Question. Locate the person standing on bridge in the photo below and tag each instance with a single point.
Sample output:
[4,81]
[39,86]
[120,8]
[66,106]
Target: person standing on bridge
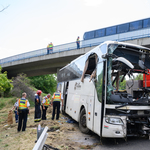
[78,42]
[50,48]
[56,99]
[37,115]
[44,105]
[23,111]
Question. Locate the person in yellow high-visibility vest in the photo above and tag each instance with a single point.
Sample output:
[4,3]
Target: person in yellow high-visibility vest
[56,99]
[50,48]
[78,42]
[23,111]
[45,103]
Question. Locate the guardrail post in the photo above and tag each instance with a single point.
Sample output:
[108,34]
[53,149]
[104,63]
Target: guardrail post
[40,142]
[39,131]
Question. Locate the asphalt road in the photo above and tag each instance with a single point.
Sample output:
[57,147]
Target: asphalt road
[132,143]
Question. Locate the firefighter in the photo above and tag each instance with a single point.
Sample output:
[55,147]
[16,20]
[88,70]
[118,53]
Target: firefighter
[56,99]
[23,111]
[37,115]
[45,103]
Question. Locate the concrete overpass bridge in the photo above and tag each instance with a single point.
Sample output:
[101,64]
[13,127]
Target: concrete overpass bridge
[39,63]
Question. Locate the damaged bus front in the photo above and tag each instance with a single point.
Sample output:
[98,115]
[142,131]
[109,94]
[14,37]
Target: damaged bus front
[126,91]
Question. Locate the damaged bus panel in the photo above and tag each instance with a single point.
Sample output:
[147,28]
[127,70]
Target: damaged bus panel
[107,90]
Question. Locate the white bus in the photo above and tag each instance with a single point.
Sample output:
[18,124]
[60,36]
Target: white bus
[101,93]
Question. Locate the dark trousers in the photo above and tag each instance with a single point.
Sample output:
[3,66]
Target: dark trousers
[78,45]
[16,116]
[37,115]
[23,114]
[44,113]
[56,104]
[49,50]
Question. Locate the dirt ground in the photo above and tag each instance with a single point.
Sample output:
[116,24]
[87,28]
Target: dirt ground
[61,134]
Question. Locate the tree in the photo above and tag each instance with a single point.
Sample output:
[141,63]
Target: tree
[46,83]
[139,77]
[122,85]
[5,83]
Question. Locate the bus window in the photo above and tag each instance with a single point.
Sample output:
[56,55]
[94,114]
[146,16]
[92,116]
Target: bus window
[59,86]
[90,65]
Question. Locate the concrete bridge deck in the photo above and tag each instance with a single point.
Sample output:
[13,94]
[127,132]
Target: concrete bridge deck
[49,64]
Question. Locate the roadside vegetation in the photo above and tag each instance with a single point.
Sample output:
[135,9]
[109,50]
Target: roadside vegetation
[12,89]
[5,84]
[46,83]
[10,139]
[122,85]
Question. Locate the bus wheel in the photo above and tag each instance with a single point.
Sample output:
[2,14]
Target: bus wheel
[82,122]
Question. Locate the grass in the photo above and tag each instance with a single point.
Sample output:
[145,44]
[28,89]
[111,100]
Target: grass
[7,102]
[2,104]
[31,103]
[6,145]
[3,116]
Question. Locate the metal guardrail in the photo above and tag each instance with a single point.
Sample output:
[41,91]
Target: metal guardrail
[40,143]
[84,43]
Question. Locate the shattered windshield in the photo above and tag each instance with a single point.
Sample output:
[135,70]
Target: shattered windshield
[128,75]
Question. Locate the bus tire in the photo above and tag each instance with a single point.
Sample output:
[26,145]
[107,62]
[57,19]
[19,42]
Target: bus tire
[82,122]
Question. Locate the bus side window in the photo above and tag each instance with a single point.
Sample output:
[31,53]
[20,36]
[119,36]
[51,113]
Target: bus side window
[90,66]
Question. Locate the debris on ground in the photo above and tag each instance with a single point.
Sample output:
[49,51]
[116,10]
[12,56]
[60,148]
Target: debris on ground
[63,134]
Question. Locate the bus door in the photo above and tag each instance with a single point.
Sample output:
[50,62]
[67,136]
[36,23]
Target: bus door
[65,94]
[60,87]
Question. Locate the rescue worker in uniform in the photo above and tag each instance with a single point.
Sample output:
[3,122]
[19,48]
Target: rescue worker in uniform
[37,115]
[78,42]
[50,48]
[23,111]
[45,103]
[56,99]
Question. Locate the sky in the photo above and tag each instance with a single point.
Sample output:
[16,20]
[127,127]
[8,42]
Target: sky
[28,25]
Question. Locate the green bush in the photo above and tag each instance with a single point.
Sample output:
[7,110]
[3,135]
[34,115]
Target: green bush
[46,83]
[5,83]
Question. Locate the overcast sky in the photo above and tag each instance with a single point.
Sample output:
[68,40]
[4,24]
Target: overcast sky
[28,25]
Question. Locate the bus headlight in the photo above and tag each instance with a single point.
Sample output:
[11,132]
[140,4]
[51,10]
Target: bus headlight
[116,121]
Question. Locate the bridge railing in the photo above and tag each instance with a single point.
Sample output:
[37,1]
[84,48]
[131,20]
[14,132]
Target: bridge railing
[84,43]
